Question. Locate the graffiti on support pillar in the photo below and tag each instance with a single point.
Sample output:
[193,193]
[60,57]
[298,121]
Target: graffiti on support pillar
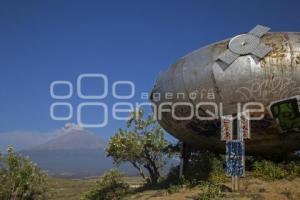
[235,158]
[226,127]
[244,126]
[235,146]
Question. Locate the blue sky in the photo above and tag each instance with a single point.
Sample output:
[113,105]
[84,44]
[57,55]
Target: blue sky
[44,41]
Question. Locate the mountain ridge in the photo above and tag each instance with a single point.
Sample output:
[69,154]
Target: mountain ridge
[75,153]
[77,139]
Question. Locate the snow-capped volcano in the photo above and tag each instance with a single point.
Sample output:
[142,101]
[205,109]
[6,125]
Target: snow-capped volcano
[74,137]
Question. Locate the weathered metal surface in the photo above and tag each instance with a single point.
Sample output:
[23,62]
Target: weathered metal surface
[245,44]
[248,78]
[259,30]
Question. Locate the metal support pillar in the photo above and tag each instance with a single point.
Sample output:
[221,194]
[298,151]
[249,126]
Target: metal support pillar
[184,158]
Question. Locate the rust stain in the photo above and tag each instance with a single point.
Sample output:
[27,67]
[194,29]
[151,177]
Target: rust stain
[297,58]
[279,58]
[219,47]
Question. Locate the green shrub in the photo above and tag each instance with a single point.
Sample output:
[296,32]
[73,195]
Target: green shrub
[205,166]
[110,187]
[293,169]
[268,170]
[174,188]
[209,191]
[217,173]
[20,178]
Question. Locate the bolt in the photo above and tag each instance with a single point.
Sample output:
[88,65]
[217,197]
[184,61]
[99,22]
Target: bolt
[244,43]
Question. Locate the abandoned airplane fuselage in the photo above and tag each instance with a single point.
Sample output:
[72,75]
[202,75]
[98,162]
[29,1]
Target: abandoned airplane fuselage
[258,66]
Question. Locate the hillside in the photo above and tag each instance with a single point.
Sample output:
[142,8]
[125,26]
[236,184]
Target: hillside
[75,153]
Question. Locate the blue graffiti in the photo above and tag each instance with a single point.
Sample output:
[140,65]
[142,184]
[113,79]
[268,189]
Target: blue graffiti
[235,155]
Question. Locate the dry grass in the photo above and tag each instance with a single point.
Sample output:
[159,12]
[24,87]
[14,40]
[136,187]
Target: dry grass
[73,189]
[251,189]
[67,189]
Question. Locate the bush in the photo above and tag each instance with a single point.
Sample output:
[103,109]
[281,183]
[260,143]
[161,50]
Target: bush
[204,167]
[217,173]
[209,191]
[174,188]
[110,187]
[293,169]
[268,170]
[20,178]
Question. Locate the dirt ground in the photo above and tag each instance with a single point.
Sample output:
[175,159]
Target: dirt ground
[250,189]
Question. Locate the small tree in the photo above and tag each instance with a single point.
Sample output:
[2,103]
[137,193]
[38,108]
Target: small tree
[20,179]
[142,144]
[111,186]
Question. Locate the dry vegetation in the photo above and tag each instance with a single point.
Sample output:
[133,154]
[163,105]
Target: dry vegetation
[74,189]
[251,189]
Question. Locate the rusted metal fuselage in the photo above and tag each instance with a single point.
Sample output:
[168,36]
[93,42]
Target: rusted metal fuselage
[197,78]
